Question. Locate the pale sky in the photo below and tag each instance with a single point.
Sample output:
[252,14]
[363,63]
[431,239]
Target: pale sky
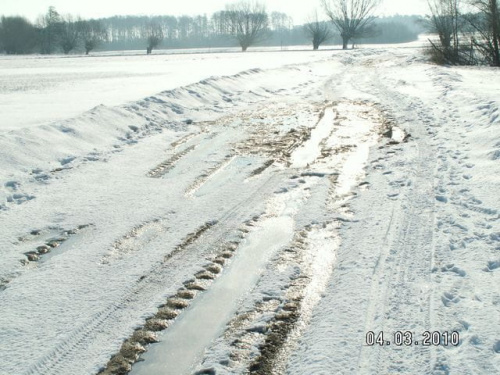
[300,10]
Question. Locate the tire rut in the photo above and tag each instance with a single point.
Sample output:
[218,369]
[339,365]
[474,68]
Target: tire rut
[154,282]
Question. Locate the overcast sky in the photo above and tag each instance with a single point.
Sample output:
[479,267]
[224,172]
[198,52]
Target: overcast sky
[298,9]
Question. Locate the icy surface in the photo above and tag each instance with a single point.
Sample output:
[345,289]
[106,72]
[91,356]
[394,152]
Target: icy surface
[181,347]
[310,151]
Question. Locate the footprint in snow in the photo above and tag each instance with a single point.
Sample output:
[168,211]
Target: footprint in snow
[454,269]
[449,298]
[67,160]
[19,198]
[475,340]
[492,265]
[12,185]
[496,347]
[441,198]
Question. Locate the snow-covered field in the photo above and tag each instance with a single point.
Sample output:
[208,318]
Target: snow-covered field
[253,213]
[36,90]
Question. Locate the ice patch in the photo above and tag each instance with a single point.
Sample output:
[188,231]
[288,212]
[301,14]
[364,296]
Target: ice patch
[311,150]
[183,344]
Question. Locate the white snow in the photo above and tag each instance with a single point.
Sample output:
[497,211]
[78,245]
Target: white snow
[385,235]
[55,88]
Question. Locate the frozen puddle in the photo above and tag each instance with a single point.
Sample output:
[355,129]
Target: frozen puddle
[311,150]
[359,128]
[182,345]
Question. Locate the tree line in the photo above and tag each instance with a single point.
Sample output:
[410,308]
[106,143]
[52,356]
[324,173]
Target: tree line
[50,34]
[243,23]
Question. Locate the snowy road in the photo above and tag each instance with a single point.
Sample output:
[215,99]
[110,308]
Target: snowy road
[261,223]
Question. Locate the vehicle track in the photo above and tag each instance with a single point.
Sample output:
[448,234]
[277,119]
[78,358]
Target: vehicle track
[152,284]
[207,175]
[403,269]
[164,167]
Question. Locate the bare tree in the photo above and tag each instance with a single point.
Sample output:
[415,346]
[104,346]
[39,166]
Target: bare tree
[446,22]
[248,22]
[69,34]
[154,35]
[318,31]
[486,27]
[443,21]
[50,26]
[352,18]
[92,34]
[281,24]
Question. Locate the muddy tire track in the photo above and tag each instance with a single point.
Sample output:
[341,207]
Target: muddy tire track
[262,337]
[156,280]
[207,175]
[164,167]
[83,335]
[262,168]
[133,347]
[183,140]
[45,246]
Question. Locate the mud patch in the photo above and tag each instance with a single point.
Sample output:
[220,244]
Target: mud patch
[276,130]
[45,243]
[278,331]
[390,129]
[279,148]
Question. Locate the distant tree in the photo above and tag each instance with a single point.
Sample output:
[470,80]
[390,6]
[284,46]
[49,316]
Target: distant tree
[221,24]
[486,29]
[279,21]
[154,35]
[444,21]
[248,22]
[17,35]
[447,21]
[92,33]
[184,25]
[70,34]
[390,31]
[318,31]
[170,24]
[352,18]
[281,26]
[49,26]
